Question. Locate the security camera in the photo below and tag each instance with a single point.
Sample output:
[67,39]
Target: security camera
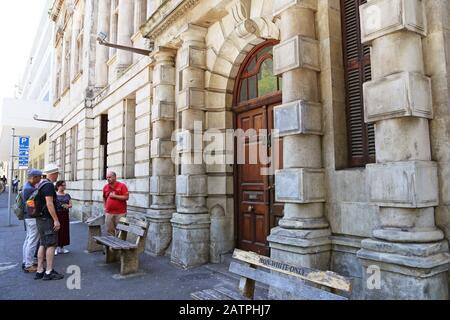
[101,37]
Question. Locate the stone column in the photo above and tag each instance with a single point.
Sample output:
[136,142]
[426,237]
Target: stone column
[124,34]
[407,248]
[302,237]
[162,182]
[190,245]
[102,52]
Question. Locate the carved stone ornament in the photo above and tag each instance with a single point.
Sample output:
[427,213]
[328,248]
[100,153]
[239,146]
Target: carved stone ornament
[246,26]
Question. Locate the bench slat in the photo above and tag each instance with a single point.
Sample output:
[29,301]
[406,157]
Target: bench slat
[217,295]
[115,243]
[136,222]
[230,293]
[105,241]
[132,229]
[202,295]
[295,287]
[324,278]
[125,245]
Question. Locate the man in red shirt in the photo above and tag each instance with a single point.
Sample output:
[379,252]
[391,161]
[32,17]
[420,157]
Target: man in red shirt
[115,197]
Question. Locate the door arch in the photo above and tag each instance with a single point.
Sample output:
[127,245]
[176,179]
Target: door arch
[257,91]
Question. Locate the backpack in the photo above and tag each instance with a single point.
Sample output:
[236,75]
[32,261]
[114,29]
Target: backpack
[19,208]
[36,202]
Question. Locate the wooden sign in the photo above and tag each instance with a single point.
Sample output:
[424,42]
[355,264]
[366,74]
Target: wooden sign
[324,278]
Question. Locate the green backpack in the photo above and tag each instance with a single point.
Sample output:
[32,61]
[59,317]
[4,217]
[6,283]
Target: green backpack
[19,208]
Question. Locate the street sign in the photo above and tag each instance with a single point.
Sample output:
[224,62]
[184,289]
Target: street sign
[24,143]
[24,152]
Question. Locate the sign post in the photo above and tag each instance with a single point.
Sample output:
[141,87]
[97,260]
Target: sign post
[24,154]
[11,176]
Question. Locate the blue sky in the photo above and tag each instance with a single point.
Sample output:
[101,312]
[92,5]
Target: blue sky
[18,23]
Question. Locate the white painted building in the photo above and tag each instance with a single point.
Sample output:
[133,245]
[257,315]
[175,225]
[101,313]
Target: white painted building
[34,96]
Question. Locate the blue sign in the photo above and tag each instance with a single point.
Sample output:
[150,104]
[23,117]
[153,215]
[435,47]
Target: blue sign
[24,152]
[24,143]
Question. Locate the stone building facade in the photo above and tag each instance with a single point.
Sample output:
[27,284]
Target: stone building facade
[357,90]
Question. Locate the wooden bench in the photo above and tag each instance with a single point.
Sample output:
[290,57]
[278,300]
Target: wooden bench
[304,283]
[127,246]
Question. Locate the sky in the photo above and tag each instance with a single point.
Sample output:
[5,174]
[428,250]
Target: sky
[19,20]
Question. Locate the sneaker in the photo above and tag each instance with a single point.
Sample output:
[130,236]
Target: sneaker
[64,251]
[39,275]
[56,252]
[53,276]
[31,269]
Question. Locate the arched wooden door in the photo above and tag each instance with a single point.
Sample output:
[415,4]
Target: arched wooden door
[257,92]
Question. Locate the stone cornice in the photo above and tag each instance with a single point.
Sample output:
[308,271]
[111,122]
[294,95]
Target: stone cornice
[165,16]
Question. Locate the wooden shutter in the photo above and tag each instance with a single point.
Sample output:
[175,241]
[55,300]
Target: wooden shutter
[361,137]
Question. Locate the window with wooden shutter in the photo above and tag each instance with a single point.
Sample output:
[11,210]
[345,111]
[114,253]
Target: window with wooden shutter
[361,136]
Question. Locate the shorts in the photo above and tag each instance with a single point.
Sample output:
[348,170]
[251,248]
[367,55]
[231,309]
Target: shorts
[48,236]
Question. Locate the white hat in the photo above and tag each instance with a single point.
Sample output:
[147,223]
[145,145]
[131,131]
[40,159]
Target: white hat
[51,168]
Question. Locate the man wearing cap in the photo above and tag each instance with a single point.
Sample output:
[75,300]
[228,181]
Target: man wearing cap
[48,226]
[32,238]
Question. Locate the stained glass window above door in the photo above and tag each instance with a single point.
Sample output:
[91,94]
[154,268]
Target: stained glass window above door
[257,78]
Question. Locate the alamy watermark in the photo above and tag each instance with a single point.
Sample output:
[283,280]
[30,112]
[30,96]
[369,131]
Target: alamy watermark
[73,282]
[227,147]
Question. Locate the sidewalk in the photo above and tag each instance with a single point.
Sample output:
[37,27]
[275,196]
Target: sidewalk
[158,279]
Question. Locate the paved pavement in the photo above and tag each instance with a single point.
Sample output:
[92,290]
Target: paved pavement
[158,279]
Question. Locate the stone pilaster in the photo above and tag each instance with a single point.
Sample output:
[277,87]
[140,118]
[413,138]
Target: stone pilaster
[408,248]
[102,52]
[191,223]
[124,33]
[302,237]
[162,182]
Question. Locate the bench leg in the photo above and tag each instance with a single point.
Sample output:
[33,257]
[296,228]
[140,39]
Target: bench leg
[247,287]
[93,246]
[111,255]
[129,261]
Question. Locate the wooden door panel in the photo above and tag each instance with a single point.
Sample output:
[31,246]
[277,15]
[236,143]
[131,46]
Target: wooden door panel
[253,199]
[257,210]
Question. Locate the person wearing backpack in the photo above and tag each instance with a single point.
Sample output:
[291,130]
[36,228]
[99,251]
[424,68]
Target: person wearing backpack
[48,224]
[32,238]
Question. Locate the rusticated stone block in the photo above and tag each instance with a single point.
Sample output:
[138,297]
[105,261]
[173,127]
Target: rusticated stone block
[382,17]
[192,185]
[191,98]
[300,185]
[298,117]
[411,184]
[164,75]
[161,148]
[193,57]
[398,95]
[189,142]
[162,185]
[296,52]
[280,5]
[162,110]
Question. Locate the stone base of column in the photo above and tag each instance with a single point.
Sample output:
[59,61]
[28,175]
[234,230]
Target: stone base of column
[159,235]
[305,248]
[408,271]
[191,239]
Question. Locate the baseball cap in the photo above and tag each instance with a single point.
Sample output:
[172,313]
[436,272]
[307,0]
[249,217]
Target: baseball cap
[34,173]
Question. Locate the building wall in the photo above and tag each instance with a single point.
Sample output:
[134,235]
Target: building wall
[129,95]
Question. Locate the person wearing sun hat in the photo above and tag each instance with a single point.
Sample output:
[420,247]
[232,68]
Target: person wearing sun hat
[48,225]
